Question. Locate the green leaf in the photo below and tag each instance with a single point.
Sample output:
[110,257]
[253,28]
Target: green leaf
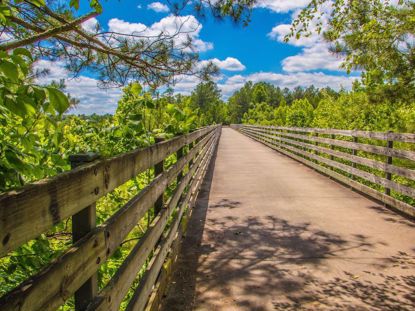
[136,88]
[22,63]
[148,104]
[136,116]
[38,3]
[74,4]
[58,100]
[9,69]
[17,107]
[13,160]
[22,51]
[96,5]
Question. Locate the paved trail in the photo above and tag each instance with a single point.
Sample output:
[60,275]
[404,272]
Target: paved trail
[268,233]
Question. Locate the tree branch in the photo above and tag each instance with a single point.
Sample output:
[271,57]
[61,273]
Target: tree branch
[48,33]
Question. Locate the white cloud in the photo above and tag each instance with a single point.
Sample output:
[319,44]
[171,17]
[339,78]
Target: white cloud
[4,36]
[93,99]
[120,26]
[184,84]
[289,80]
[279,32]
[282,6]
[179,27]
[158,7]
[317,56]
[90,25]
[229,64]
[228,85]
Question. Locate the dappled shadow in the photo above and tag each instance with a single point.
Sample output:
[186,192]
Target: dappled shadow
[225,203]
[268,263]
[241,256]
[390,216]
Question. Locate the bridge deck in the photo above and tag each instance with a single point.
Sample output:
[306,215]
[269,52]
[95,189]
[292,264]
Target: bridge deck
[271,234]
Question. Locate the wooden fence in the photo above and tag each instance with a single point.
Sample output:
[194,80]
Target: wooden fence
[378,164]
[29,212]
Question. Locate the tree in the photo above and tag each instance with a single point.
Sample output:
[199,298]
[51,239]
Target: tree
[300,113]
[53,30]
[239,102]
[260,93]
[375,36]
[31,115]
[206,98]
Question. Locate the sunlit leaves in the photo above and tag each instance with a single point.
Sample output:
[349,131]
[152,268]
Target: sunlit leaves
[29,123]
[372,36]
[58,100]
[9,70]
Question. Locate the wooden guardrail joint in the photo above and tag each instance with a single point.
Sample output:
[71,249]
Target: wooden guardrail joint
[158,169]
[82,223]
[350,161]
[389,161]
[179,155]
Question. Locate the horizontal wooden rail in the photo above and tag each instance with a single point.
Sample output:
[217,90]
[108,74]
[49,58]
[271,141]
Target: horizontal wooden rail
[140,297]
[327,160]
[385,151]
[28,212]
[51,287]
[405,172]
[155,300]
[121,282]
[401,137]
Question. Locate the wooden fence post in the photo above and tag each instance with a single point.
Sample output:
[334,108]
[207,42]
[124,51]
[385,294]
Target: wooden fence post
[316,135]
[332,146]
[179,154]
[82,223]
[191,160]
[158,169]
[354,152]
[389,160]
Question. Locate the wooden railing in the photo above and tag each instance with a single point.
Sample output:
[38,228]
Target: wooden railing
[378,164]
[29,212]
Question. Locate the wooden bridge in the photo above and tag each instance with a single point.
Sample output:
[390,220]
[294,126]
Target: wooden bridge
[249,218]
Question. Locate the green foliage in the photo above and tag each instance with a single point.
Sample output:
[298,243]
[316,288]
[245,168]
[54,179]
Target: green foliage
[263,103]
[300,113]
[30,132]
[35,142]
[206,98]
[374,36]
[355,111]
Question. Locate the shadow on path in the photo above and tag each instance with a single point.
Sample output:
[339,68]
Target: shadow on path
[237,259]
[244,264]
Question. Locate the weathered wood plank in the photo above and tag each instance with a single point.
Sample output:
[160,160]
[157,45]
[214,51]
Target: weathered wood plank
[354,171]
[113,294]
[388,200]
[401,137]
[30,211]
[389,168]
[54,285]
[142,293]
[161,286]
[404,154]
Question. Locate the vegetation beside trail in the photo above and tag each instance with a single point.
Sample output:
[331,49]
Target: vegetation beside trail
[38,133]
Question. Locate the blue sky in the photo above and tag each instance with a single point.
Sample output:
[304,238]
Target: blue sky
[253,53]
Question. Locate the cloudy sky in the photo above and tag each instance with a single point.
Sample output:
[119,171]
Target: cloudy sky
[254,53]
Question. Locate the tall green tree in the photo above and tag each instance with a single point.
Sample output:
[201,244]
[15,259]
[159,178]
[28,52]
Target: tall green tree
[206,98]
[373,36]
[238,103]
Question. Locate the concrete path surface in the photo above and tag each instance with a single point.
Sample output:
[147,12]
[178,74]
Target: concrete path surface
[269,233]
